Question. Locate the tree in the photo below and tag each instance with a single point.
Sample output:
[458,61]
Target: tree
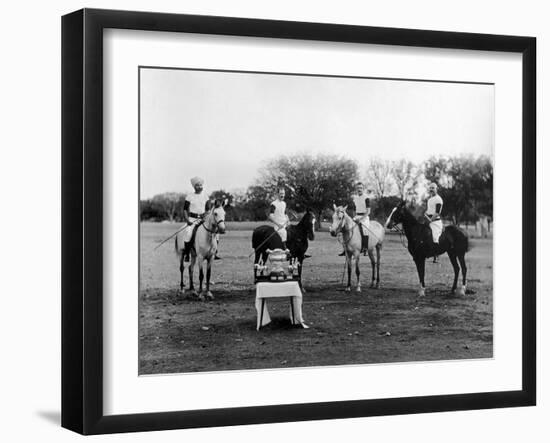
[465,184]
[225,197]
[312,182]
[406,176]
[149,210]
[437,170]
[253,205]
[379,176]
[170,203]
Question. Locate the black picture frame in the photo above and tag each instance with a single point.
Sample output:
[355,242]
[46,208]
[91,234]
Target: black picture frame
[82,218]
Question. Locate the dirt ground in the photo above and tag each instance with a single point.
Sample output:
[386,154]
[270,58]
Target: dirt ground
[180,334]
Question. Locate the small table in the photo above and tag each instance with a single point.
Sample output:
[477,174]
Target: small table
[291,289]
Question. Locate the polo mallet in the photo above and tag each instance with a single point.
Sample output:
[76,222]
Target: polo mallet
[172,236]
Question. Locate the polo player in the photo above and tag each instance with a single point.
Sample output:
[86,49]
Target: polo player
[361,207]
[196,204]
[277,215]
[434,206]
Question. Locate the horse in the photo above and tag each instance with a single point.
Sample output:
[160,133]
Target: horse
[204,247]
[352,242]
[264,237]
[421,246]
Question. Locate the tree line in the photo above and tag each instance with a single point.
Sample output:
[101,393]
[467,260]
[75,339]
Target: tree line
[316,182]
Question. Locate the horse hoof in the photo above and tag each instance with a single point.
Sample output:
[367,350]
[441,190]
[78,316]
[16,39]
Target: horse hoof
[201,297]
[358,289]
[372,285]
[209,296]
[461,291]
[422,293]
[348,289]
[377,286]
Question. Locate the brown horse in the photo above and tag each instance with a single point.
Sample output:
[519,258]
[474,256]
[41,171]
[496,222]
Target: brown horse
[264,238]
[453,241]
[351,239]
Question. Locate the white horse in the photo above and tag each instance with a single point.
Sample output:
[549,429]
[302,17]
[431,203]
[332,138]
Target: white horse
[351,240]
[204,248]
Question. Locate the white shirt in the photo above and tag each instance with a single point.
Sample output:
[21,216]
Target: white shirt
[432,203]
[360,203]
[197,202]
[279,214]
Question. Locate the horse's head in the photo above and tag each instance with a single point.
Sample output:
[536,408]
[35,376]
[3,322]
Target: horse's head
[338,220]
[218,214]
[309,221]
[396,216]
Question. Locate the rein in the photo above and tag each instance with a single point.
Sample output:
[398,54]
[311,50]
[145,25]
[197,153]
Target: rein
[216,227]
[341,229]
[401,234]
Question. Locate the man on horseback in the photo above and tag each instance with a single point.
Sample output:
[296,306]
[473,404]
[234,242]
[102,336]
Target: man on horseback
[361,208]
[196,204]
[278,217]
[433,214]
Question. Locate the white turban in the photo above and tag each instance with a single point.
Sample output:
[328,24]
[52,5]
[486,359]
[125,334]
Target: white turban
[196,181]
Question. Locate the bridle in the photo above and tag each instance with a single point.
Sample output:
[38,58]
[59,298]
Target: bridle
[340,228]
[399,230]
[216,226]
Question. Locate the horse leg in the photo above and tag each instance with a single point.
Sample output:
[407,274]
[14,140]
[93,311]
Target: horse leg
[464,270]
[378,266]
[348,264]
[191,268]
[357,273]
[452,257]
[256,260]
[300,262]
[201,277]
[182,267]
[209,295]
[420,265]
[371,257]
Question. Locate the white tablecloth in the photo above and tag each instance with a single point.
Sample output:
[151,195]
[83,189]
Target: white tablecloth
[290,289]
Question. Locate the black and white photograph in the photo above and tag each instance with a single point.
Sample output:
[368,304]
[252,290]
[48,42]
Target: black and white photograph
[303,220]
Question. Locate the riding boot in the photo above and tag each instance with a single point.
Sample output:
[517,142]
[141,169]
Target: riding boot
[342,254]
[364,244]
[186,251]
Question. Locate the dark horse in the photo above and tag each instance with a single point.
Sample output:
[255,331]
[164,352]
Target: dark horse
[264,238]
[453,241]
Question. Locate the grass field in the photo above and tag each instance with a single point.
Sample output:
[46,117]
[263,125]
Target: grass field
[181,334]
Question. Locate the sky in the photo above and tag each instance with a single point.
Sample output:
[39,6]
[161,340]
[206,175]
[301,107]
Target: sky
[224,126]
